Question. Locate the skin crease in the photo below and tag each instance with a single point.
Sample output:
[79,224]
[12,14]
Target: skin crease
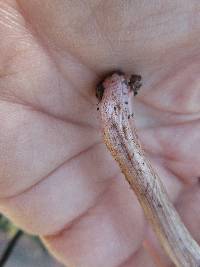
[56,177]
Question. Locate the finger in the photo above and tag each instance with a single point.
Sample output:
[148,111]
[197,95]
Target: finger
[111,227]
[66,193]
[107,235]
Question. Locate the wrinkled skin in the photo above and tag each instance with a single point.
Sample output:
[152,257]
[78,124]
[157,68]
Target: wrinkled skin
[57,179]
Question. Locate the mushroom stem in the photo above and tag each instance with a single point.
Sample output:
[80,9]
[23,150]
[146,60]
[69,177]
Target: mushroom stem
[121,139]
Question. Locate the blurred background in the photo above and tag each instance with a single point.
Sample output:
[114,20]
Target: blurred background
[18,249]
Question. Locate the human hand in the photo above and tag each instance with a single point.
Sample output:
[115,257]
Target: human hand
[57,179]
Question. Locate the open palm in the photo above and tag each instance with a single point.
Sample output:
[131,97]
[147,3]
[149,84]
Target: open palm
[57,179]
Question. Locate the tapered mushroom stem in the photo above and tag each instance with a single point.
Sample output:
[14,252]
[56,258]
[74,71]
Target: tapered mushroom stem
[121,139]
